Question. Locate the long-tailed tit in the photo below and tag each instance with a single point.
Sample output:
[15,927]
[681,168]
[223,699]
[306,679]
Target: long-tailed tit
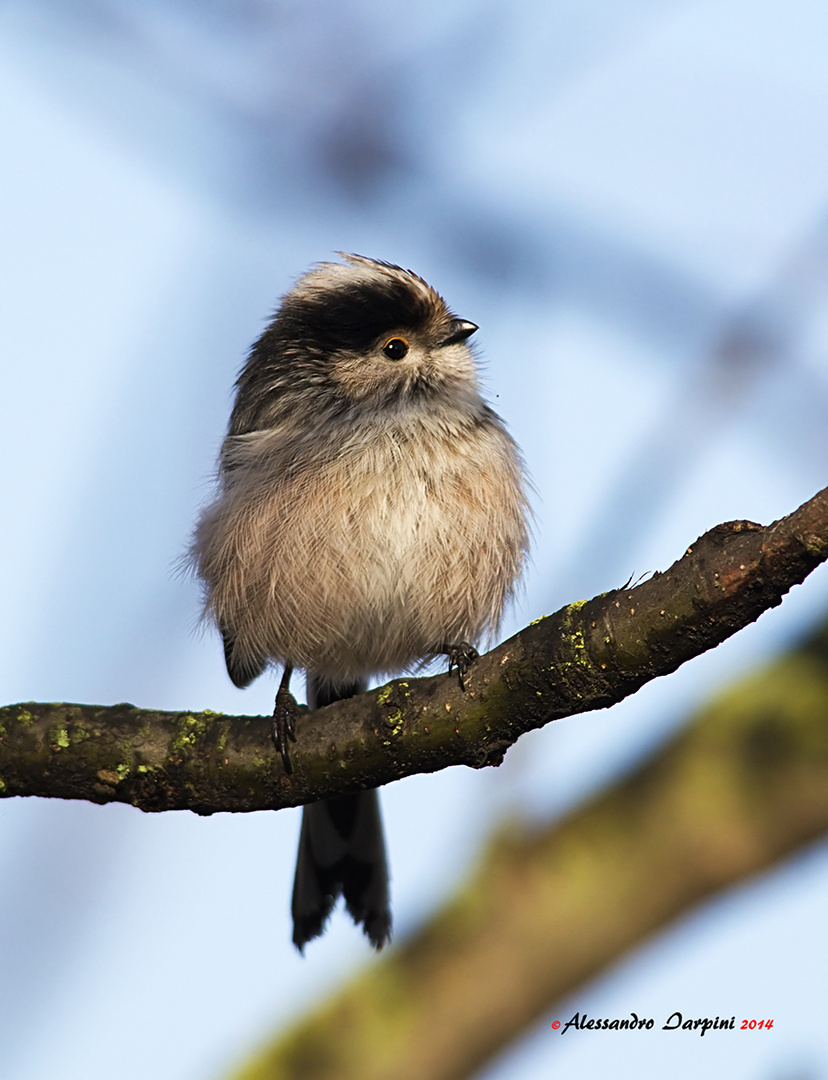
[371,515]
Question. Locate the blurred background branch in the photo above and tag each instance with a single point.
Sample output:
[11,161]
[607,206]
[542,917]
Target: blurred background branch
[547,909]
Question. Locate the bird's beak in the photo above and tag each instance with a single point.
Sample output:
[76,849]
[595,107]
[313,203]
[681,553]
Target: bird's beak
[460,330]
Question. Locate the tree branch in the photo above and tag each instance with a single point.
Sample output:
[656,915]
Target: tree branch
[589,655]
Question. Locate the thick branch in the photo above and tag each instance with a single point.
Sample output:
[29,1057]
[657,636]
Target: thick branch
[589,655]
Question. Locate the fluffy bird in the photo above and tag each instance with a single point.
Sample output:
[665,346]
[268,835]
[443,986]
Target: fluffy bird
[370,516]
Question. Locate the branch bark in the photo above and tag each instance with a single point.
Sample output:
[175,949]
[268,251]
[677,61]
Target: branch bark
[589,655]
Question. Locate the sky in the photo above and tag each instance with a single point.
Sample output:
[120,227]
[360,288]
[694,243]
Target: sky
[631,199]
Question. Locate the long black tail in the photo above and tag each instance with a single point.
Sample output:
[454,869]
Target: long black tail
[341,852]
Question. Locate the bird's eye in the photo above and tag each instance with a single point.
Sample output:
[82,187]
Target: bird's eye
[396,348]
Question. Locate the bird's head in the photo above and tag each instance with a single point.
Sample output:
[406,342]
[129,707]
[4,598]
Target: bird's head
[357,334]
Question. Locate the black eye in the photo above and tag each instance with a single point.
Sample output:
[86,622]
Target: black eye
[396,348]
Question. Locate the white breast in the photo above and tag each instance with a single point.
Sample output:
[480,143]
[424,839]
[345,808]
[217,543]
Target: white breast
[411,538]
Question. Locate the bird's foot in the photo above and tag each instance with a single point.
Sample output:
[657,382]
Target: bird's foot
[285,711]
[461,655]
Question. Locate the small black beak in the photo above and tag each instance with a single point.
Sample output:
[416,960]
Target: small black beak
[460,330]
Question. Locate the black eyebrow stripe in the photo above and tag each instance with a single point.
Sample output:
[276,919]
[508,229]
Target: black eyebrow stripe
[353,317]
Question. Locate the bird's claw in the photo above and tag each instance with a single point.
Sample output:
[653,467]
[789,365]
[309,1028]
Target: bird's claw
[284,725]
[461,656]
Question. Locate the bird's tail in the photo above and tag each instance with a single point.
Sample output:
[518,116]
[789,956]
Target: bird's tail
[341,852]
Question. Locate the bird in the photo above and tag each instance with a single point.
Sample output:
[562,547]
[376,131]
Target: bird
[371,515]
